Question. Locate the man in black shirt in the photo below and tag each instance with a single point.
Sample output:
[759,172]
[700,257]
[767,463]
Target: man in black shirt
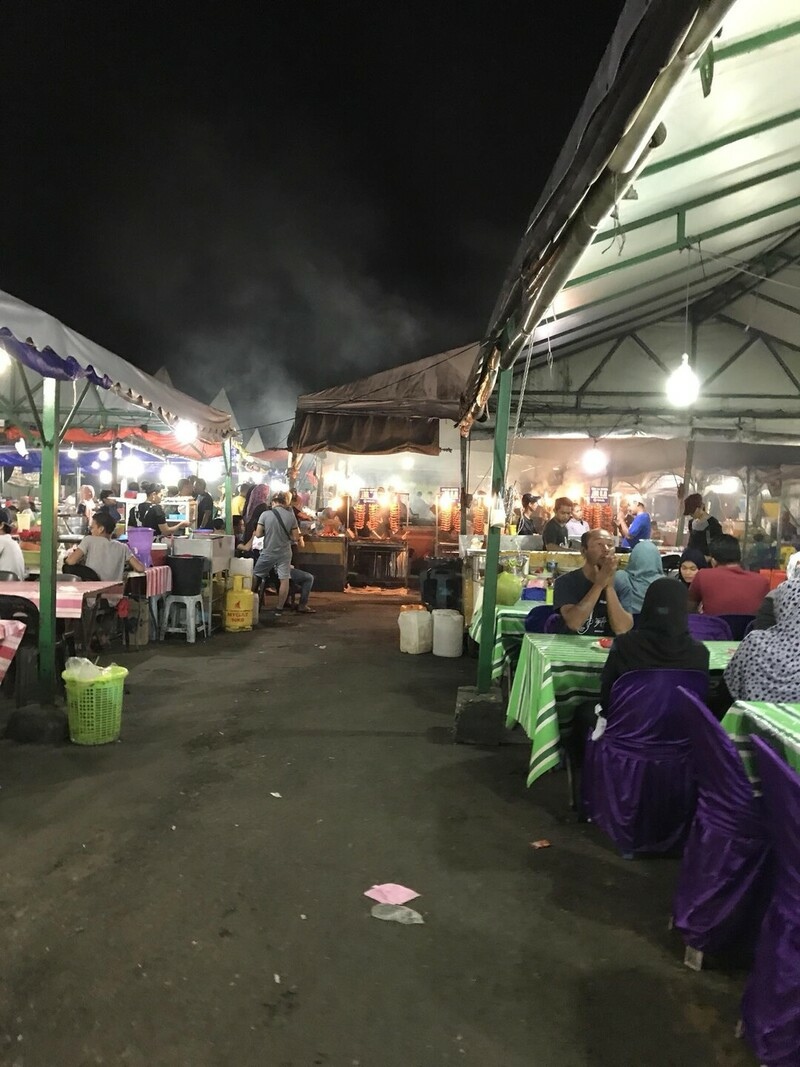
[555,534]
[586,599]
[205,505]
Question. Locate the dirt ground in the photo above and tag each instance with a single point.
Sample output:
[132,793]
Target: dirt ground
[163,907]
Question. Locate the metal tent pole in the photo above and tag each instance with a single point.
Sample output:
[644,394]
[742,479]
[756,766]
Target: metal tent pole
[687,473]
[49,555]
[464,487]
[502,419]
[227,457]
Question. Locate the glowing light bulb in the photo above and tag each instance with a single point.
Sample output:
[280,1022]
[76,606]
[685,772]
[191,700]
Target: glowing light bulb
[185,431]
[595,461]
[683,385]
[73,453]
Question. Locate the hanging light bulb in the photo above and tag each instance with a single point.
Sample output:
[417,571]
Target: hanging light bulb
[102,455]
[104,477]
[683,385]
[73,452]
[21,447]
[5,359]
[186,431]
[595,461]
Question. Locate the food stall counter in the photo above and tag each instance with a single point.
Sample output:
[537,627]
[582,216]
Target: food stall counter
[326,559]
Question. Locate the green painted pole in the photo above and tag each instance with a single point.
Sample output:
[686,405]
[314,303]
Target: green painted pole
[49,552]
[493,540]
[227,455]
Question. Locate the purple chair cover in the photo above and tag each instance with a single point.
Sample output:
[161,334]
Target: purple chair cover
[554,625]
[709,628]
[637,778]
[738,624]
[771,1002]
[726,875]
[536,619]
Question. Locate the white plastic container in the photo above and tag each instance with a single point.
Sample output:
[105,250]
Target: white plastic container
[448,633]
[416,632]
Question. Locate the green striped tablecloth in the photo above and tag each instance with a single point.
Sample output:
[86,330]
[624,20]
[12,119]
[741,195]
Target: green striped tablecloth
[776,724]
[509,629]
[555,674]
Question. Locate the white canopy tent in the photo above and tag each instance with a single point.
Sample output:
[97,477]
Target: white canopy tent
[132,392]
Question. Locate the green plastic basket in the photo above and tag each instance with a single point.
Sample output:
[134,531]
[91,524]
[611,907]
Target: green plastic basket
[94,709]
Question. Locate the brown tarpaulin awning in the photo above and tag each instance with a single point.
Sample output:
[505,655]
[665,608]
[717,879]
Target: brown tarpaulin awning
[395,410]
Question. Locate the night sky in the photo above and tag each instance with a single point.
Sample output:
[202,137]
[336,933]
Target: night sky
[283,196]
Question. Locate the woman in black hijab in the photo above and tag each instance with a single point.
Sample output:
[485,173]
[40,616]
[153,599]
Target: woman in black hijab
[660,641]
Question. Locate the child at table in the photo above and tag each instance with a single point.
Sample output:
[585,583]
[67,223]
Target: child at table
[99,553]
[11,559]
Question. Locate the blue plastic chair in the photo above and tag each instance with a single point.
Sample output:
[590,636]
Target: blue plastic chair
[536,619]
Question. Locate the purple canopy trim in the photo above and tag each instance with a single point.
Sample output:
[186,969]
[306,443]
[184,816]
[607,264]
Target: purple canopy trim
[48,363]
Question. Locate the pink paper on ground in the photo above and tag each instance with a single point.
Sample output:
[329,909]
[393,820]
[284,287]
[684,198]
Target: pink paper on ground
[391,893]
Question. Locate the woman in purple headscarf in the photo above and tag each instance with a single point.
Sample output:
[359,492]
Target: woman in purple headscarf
[256,505]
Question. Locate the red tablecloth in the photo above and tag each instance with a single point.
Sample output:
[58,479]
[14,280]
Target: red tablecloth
[11,633]
[69,595]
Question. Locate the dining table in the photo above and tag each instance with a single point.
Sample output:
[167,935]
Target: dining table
[74,601]
[556,673]
[11,633]
[777,724]
[509,629]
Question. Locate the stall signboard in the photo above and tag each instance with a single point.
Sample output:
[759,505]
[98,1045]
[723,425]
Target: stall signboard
[368,494]
[598,494]
[449,494]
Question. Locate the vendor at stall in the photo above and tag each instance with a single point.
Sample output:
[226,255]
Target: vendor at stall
[529,521]
[555,534]
[637,529]
[150,513]
[577,525]
[106,557]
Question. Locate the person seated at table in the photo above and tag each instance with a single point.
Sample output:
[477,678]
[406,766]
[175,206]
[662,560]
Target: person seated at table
[644,568]
[11,557]
[660,642]
[726,588]
[692,560]
[586,598]
[766,665]
[150,513]
[106,557]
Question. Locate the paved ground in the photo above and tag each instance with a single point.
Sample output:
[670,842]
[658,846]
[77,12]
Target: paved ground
[161,908]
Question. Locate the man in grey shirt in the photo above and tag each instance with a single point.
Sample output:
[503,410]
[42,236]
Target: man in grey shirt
[278,526]
[105,557]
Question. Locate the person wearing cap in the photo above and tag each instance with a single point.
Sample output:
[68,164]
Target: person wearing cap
[108,503]
[703,528]
[11,558]
[529,521]
[638,530]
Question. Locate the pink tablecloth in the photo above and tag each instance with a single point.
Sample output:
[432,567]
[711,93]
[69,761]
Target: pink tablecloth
[159,580]
[69,595]
[11,633]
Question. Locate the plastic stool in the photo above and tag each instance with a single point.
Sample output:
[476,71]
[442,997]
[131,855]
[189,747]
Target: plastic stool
[187,609]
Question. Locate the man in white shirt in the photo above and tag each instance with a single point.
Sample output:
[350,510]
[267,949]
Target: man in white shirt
[105,557]
[11,558]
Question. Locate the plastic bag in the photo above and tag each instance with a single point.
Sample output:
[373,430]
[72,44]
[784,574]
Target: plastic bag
[396,913]
[78,669]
